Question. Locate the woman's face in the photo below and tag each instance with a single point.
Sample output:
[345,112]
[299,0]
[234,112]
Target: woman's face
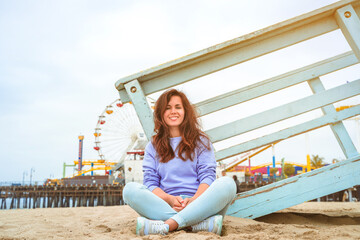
[174,113]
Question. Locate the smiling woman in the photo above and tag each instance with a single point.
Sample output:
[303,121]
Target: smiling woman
[179,174]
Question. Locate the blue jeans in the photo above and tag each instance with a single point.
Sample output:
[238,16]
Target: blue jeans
[215,200]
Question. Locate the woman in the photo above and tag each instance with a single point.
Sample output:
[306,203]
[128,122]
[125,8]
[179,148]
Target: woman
[179,168]
[237,183]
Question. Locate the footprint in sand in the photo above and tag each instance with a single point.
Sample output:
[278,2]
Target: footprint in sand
[103,228]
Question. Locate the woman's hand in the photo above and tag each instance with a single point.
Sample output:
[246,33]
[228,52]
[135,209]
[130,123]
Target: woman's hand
[176,202]
[187,201]
[202,188]
[184,204]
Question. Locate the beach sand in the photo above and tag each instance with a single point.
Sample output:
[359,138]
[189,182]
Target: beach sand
[311,220]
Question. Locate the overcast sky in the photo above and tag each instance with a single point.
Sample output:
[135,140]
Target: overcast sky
[59,61]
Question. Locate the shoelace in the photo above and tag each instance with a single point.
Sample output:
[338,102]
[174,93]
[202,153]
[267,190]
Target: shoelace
[201,226]
[159,227]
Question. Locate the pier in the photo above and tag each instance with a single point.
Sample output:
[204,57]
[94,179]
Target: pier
[22,197]
[16,197]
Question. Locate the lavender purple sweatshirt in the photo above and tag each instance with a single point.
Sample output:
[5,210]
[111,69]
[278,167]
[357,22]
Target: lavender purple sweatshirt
[178,177]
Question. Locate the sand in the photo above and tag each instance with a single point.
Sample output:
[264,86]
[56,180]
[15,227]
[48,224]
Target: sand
[311,220]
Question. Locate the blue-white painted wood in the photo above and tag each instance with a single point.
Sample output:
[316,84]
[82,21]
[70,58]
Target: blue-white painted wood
[276,83]
[237,50]
[295,190]
[141,106]
[350,195]
[339,130]
[124,97]
[330,118]
[285,111]
[350,26]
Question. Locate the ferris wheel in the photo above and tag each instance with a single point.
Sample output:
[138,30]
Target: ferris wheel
[117,129]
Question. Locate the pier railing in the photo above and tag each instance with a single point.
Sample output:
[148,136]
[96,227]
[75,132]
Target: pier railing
[15,197]
[341,15]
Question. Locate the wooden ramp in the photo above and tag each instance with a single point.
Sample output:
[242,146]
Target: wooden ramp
[341,15]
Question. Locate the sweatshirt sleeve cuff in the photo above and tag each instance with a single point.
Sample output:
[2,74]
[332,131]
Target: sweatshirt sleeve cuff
[151,188]
[208,181]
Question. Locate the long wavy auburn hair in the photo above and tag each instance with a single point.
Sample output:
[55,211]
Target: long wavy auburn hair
[189,129]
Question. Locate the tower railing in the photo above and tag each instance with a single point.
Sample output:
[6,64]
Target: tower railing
[341,15]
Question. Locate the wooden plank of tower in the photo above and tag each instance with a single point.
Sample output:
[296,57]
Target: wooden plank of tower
[296,190]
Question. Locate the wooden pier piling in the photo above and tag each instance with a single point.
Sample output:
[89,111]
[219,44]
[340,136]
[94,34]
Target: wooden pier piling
[60,196]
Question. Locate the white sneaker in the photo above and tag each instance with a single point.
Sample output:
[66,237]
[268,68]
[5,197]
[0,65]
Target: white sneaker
[146,227]
[211,224]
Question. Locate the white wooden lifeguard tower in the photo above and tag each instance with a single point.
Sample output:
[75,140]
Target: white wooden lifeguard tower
[341,15]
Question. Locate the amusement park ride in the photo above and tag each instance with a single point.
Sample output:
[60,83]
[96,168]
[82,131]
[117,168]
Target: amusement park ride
[119,142]
[120,139]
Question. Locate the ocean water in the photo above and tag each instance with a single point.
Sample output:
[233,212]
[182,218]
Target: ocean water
[31,202]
